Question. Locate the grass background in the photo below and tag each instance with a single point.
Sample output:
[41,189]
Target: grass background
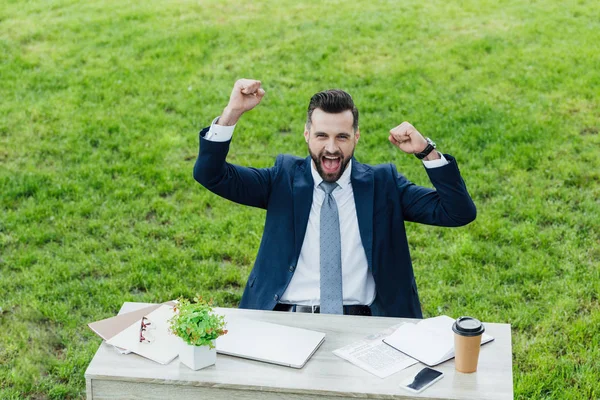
[100,104]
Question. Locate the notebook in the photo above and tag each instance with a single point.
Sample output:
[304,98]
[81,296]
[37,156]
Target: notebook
[164,347]
[430,341]
[272,343]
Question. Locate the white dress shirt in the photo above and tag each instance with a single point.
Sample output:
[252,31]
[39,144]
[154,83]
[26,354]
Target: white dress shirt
[358,285]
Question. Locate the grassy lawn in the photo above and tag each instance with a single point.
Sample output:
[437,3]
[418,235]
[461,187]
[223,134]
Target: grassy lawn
[100,104]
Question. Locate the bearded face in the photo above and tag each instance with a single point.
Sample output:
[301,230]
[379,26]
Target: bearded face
[331,142]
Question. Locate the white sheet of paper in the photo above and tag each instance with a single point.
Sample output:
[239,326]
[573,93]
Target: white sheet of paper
[165,346]
[121,351]
[374,356]
[430,341]
[425,345]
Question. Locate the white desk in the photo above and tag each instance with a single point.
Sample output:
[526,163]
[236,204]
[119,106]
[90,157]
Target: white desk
[114,376]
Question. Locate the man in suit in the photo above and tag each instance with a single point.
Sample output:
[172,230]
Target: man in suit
[334,239]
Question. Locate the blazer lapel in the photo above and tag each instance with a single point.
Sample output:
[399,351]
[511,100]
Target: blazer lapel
[363,187]
[302,197]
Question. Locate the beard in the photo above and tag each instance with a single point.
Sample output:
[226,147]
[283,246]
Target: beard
[319,160]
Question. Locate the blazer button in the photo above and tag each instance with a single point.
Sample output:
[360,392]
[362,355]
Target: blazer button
[292,268]
[276,297]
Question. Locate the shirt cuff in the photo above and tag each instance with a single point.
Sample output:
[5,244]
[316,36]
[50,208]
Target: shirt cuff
[219,133]
[440,162]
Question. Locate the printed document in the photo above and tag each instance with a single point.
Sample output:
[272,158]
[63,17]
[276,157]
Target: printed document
[374,356]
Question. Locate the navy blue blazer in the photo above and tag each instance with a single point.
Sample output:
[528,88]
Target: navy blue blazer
[384,200]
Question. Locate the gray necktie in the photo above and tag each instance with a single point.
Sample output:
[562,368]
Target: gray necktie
[332,301]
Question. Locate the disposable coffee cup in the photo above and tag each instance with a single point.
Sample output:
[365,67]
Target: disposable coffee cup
[467,342]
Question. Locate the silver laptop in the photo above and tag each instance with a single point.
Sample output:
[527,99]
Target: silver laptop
[272,343]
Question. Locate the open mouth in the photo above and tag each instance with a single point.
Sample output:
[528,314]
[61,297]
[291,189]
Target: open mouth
[331,164]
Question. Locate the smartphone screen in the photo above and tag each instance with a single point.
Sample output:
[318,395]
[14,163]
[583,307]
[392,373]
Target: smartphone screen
[422,379]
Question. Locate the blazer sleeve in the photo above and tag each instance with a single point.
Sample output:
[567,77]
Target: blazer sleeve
[243,185]
[449,205]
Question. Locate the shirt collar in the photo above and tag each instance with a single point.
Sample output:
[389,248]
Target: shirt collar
[343,182]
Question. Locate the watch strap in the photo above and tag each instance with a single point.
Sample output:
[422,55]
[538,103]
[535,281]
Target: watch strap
[430,147]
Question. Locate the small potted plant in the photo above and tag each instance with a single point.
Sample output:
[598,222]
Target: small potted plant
[198,327]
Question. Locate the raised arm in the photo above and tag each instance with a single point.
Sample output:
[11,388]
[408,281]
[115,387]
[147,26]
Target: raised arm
[450,204]
[249,186]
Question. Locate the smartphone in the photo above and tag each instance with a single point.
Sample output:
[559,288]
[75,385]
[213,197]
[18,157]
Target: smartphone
[421,380]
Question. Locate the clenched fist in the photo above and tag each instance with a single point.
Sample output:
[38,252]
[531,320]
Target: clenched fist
[246,95]
[409,140]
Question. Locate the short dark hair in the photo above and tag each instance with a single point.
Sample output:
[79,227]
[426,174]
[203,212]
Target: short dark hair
[332,101]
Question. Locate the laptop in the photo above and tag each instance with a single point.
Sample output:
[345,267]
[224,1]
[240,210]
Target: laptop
[267,342]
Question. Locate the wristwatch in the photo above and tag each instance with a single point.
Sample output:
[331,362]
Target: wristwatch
[430,147]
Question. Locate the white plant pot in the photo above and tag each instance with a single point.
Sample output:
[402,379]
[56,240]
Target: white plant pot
[197,357]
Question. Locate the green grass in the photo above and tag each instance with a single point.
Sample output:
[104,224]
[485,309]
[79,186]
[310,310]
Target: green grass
[100,104]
